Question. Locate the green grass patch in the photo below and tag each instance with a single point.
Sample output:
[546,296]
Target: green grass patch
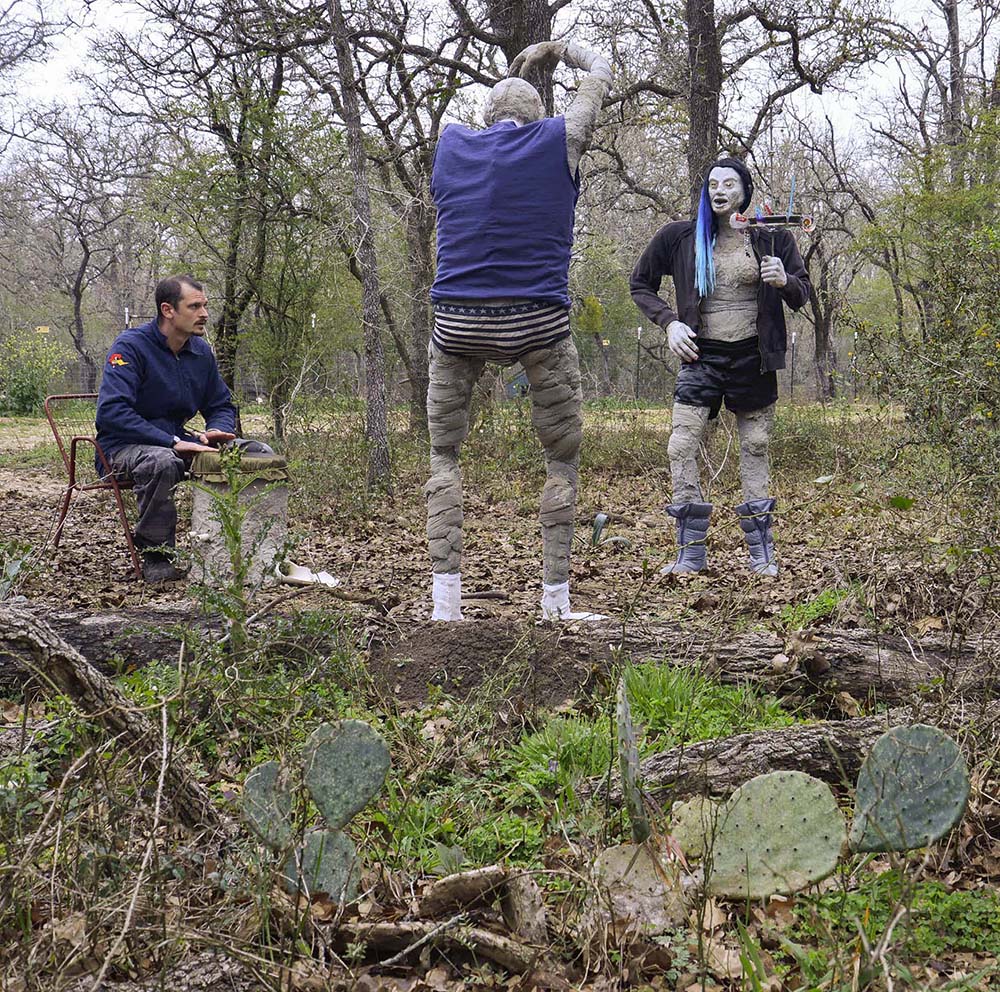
[937,920]
[797,616]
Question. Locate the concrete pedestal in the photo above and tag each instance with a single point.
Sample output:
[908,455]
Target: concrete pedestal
[262,481]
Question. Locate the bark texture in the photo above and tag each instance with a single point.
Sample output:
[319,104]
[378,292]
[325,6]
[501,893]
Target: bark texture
[58,666]
[830,751]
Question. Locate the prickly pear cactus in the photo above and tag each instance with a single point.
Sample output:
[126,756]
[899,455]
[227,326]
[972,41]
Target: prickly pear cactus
[344,766]
[912,789]
[628,758]
[692,825]
[776,833]
[267,804]
[327,862]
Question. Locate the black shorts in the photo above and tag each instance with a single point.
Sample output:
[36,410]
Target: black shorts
[726,370]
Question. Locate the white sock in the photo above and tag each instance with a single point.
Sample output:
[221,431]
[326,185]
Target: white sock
[555,604]
[555,601]
[447,593]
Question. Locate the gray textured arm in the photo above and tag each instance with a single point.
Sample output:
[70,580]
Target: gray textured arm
[581,115]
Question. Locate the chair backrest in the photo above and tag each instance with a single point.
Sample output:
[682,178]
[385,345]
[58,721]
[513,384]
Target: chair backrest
[72,415]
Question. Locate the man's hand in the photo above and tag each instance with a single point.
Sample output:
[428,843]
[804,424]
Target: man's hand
[680,340]
[215,437]
[772,271]
[537,58]
[190,447]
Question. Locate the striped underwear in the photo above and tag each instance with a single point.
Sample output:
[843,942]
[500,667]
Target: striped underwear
[498,333]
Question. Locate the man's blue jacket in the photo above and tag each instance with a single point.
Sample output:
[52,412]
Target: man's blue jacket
[148,393]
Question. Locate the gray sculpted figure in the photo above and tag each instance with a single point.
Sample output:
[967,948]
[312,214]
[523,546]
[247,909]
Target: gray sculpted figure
[506,197]
[728,329]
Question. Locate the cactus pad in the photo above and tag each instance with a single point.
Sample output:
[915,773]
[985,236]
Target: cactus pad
[776,833]
[628,759]
[344,766]
[267,804]
[329,863]
[693,824]
[912,789]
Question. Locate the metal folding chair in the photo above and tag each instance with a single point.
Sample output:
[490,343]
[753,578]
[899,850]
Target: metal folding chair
[72,419]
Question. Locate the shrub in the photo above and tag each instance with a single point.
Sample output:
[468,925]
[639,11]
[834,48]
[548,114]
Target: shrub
[28,364]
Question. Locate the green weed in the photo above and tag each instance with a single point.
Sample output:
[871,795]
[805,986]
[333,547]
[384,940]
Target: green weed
[938,921]
[797,616]
[677,706]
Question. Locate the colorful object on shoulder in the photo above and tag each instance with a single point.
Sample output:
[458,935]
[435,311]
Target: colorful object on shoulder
[116,359]
[806,222]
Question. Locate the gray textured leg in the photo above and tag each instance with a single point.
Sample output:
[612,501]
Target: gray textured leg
[755,431]
[448,396]
[556,398]
[689,426]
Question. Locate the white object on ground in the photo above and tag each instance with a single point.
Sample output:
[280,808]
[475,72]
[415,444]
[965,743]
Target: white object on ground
[447,593]
[299,575]
[555,604]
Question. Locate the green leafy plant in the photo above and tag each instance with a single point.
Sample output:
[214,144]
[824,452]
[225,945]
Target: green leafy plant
[29,363]
[797,616]
[16,559]
[676,706]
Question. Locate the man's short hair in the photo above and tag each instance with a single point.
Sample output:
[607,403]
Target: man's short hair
[171,289]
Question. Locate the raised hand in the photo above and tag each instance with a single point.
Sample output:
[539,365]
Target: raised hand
[537,58]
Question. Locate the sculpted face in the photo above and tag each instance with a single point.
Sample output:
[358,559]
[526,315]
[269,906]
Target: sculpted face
[513,99]
[725,191]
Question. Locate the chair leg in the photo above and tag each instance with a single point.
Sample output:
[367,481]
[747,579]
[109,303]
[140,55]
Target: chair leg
[136,563]
[57,537]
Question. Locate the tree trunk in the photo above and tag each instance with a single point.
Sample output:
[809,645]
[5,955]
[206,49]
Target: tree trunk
[817,665]
[832,752]
[705,83]
[955,136]
[419,238]
[825,355]
[519,23]
[58,666]
[76,331]
[377,416]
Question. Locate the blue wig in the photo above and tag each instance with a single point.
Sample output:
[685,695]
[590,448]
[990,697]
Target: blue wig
[706,227]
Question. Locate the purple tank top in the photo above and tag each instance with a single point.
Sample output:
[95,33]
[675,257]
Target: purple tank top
[505,203]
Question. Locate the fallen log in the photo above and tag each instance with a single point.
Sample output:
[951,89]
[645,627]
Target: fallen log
[824,663]
[56,665]
[563,662]
[832,751]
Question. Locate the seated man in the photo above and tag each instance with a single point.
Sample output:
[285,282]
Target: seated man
[156,378]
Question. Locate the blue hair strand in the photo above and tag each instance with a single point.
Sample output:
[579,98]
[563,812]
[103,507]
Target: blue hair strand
[704,241]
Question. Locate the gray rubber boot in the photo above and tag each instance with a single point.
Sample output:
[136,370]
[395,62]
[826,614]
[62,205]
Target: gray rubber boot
[755,519]
[692,529]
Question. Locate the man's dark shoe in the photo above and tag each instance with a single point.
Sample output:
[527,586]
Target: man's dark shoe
[157,568]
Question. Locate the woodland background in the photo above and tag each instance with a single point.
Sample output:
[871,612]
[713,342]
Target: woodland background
[281,150]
